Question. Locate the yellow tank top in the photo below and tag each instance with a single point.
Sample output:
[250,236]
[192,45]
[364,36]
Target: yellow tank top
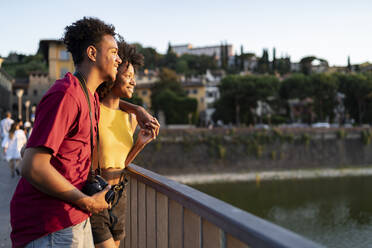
[115,138]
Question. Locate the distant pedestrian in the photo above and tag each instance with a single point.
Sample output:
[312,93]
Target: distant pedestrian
[12,145]
[27,128]
[5,124]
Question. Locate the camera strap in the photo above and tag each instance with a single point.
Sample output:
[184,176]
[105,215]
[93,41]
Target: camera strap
[85,90]
[123,181]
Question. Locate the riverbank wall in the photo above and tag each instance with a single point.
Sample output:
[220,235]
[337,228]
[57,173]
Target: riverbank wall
[245,150]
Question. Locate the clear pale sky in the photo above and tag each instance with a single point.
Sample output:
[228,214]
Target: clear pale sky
[329,29]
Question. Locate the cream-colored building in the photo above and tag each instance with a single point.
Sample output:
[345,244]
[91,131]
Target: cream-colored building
[144,83]
[59,62]
[206,50]
[196,90]
[144,92]
[38,84]
[193,89]
[59,59]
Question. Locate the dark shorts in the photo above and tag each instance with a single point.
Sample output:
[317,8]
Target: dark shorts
[105,227]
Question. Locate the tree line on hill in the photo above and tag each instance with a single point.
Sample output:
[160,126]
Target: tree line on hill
[317,98]
[242,96]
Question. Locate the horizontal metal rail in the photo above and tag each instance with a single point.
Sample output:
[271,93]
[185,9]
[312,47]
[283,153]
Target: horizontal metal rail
[247,228]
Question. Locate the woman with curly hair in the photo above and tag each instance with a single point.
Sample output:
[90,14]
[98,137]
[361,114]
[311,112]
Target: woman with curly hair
[116,149]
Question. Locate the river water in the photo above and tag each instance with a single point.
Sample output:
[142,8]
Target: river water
[335,212]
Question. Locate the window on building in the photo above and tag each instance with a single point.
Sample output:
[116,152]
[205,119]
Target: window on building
[64,55]
[35,92]
[144,93]
[195,91]
[202,99]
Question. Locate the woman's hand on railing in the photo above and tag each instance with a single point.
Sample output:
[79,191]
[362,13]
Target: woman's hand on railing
[144,137]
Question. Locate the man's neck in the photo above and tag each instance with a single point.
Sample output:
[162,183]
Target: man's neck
[111,101]
[91,77]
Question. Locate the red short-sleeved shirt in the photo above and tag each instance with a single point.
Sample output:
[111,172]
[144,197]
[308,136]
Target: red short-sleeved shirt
[62,124]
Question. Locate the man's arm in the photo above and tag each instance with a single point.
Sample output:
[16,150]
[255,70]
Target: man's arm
[38,171]
[145,120]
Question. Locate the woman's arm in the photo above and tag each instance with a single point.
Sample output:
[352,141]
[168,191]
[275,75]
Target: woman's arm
[4,144]
[144,137]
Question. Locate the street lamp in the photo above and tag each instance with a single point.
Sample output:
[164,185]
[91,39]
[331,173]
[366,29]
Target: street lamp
[33,109]
[27,105]
[19,93]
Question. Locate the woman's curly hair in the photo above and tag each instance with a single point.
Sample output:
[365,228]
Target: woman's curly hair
[128,54]
[83,33]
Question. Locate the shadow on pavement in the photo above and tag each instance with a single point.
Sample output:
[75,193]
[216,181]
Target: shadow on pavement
[7,187]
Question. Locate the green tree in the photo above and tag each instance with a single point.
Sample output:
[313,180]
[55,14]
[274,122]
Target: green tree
[295,86]
[348,64]
[224,56]
[170,58]
[274,62]
[182,67]
[324,90]
[152,57]
[198,64]
[25,65]
[306,64]
[239,96]
[283,65]
[169,97]
[263,65]
[357,89]
[177,109]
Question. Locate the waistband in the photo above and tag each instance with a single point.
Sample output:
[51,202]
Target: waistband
[112,176]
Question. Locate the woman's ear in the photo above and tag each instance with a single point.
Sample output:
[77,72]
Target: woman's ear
[92,53]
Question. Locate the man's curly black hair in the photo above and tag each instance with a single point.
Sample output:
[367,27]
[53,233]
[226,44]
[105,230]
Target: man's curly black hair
[128,54]
[83,33]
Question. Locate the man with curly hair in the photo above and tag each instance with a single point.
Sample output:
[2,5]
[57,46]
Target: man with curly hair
[48,208]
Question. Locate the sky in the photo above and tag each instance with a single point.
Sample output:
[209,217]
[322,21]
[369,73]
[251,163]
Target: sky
[328,29]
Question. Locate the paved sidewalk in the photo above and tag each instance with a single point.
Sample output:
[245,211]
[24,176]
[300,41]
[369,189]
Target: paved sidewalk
[7,187]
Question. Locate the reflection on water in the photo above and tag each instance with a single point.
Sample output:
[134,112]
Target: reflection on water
[335,212]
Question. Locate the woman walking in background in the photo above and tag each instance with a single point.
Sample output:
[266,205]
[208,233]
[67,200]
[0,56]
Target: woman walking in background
[12,145]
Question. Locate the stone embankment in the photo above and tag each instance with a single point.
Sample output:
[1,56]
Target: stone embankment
[244,154]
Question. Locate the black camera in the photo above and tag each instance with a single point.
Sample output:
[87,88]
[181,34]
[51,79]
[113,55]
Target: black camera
[98,184]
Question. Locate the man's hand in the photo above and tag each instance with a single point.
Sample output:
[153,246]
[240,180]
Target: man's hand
[95,203]
[147,121]
[144,119]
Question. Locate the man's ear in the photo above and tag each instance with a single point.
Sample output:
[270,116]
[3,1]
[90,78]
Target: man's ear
[92,53]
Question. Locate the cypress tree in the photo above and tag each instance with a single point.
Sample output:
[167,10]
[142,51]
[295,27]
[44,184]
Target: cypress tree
[348,64]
